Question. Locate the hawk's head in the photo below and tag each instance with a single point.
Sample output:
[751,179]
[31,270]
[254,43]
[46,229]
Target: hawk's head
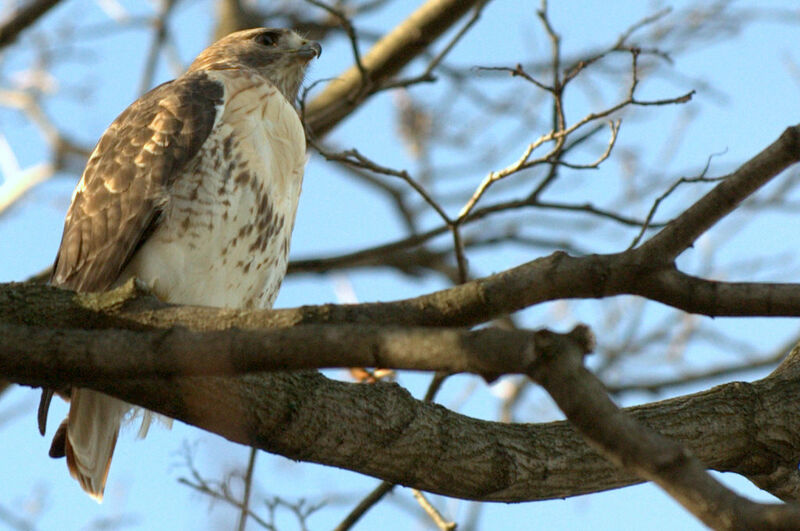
[280,55]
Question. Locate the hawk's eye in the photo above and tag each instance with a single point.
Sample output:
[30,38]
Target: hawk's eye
[268,38]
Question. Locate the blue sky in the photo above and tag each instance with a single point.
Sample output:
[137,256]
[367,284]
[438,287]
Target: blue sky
[755,96]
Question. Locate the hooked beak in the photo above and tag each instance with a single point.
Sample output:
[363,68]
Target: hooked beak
[310,50]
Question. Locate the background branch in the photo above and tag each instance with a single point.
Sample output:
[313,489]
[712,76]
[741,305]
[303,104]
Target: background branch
[23,18]
[387,57]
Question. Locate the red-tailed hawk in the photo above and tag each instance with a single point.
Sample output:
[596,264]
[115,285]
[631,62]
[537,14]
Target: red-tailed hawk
[193,189]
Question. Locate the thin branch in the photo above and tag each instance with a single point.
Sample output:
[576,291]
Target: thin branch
[354,158]
[587,208]
[560,130]
[614,127]
[159,38]
[511,169]
[216,490]
[517,71]
[682,232]
[656,385]
[461,257]
[683,180]
[427,74]
[365,505]
[646,21]
[441,522]
[380,255]
[244,511]
[396,194]
[344,20]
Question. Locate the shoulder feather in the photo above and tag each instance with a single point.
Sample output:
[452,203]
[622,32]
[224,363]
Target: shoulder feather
[125,185]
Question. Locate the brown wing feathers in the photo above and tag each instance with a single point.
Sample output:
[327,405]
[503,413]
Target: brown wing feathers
[125,185]
[126,181]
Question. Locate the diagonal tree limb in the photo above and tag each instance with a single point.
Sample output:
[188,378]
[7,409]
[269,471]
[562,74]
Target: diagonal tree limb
[632,446]
[23,18]
[387,57]
[682,232]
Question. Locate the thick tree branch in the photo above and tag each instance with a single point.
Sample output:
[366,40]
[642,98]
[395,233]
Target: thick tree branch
[380,430]
[29,353]
[629,444]
[555,277]
[745,428]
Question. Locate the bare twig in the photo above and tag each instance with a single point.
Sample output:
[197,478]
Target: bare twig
[378,254]
[160,34]
[347,24]
[217,490]
[683,180]
[560,130]
[427,74]
[441,522]
[248,486]
[364,505]
[354,158]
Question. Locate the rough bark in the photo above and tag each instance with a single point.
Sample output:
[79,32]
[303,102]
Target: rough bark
[380,430]
[634,447]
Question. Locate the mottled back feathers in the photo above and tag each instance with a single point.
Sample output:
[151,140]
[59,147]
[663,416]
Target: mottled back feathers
[127,179]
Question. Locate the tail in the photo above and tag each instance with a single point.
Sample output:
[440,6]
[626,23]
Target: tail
[92,429]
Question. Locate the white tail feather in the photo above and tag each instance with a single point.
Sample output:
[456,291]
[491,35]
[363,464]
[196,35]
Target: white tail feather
[92,429]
